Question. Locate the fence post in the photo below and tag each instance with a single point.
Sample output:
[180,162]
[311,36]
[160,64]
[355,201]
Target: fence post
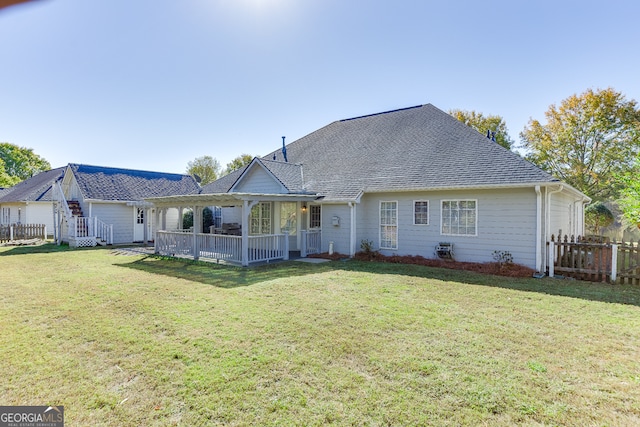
[614,263]
[551,258]
[303,243]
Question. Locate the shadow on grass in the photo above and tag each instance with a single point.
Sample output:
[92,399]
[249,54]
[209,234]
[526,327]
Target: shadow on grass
[225,276]
[34,249]
[221,275]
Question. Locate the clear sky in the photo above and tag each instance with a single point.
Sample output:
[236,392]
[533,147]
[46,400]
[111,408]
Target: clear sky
[154,84]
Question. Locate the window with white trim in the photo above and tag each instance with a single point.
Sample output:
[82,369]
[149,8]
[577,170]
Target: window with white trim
[459,217]
[6,216]
[420,212]
[388,225]
[260,219]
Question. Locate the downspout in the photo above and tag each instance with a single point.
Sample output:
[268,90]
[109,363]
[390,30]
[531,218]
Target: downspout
[352,234]
[539,236]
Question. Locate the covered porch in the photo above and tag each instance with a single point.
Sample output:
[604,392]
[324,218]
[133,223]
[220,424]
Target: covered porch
[250,244]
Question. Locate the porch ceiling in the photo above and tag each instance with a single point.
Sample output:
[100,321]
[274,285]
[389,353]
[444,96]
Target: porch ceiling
[226,199]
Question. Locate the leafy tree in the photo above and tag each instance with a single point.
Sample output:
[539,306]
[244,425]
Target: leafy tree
[588,141]
[19,163]
[630,194]
[597,215]
[483,123]
[238,162]
[206,168]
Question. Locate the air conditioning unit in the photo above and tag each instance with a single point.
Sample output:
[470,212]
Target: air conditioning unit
[444,250]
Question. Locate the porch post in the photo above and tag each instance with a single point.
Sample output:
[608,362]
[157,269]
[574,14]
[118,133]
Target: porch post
[286,245]
[180,214]
[194,235]
[145,224]
[245,233]
[303,243]
[155,233]
[551,261]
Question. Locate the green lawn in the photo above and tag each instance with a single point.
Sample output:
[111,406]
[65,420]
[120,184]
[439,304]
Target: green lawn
[134,340]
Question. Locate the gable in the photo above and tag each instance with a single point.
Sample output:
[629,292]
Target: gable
[257,179]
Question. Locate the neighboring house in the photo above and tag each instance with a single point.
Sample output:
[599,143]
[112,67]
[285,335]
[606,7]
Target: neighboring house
[30,201]
[105,205]
[405,180]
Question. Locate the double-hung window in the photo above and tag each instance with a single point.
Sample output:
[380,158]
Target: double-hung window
[420,212]
[459,217]
[388,225]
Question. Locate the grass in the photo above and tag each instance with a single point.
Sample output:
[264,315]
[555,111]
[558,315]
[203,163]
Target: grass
[135,340]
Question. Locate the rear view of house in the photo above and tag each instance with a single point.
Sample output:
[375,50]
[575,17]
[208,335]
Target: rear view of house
[414,181]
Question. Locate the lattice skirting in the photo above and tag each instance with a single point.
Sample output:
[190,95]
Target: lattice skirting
[82,242]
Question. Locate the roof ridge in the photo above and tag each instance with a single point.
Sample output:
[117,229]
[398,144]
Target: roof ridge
[128,169]
[384,112]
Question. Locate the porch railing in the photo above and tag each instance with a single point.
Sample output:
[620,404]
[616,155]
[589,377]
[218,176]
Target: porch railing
[89,226]
[220,247]
[311,242]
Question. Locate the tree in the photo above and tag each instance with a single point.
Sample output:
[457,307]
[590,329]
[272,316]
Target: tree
[483,123]
[238,162]
[630,194]
[597,215]
[588,141]
[19,163]
[206,168]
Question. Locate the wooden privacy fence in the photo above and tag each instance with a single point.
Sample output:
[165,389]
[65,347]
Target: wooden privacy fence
[22,232]
[595,259]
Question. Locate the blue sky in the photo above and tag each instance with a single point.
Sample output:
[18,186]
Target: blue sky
[153,84]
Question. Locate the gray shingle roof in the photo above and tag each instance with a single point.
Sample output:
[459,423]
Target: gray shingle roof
[103,183]
[224,184]
[35,189]
[409,149]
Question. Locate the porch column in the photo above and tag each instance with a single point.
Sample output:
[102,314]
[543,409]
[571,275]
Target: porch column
[164,218]
[145,224]
[180,213]
[194,235]
[245,232]
[155,234]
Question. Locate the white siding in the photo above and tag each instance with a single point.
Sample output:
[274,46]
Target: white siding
[565,215]
[338,234]
[258,180]
[232,214]
[40,213]
[506,222]
[118,214]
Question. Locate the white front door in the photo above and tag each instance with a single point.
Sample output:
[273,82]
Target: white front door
[138,224]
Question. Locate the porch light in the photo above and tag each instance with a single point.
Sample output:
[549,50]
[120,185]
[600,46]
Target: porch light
[304,207]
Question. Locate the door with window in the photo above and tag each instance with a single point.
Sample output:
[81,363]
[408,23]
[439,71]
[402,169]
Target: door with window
[138,225]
